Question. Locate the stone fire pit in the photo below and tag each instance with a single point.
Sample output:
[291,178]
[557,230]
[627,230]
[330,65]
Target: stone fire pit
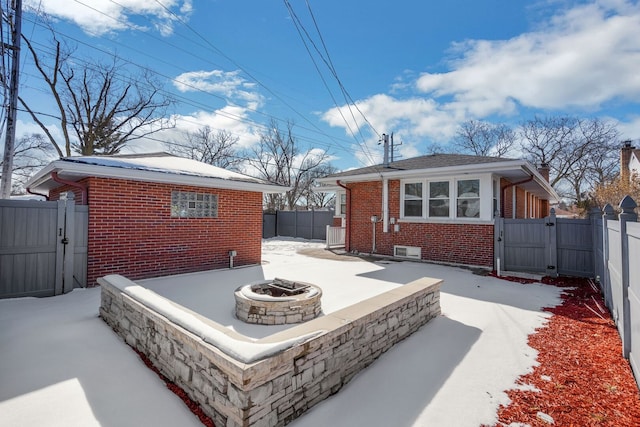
[278,302]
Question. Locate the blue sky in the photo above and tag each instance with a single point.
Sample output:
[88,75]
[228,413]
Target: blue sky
[417,69]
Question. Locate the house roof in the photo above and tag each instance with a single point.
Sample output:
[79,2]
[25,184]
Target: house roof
[151,167]
[436,165]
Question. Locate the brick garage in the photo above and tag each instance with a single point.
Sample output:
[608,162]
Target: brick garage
[514,188]
[131,228]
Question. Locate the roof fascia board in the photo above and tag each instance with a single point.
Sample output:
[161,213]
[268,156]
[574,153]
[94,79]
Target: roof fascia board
[447,170]
[82,169]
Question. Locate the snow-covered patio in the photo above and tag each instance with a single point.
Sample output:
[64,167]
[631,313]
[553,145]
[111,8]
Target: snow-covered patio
[61,365]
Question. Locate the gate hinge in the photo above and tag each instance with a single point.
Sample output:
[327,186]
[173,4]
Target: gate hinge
[551,267]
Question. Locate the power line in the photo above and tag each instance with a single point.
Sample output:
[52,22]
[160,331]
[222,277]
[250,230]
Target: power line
[187,100]
[333,142]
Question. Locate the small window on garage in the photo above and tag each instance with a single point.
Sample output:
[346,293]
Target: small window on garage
[187,204]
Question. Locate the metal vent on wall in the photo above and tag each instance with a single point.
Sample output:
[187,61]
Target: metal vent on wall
[407,252]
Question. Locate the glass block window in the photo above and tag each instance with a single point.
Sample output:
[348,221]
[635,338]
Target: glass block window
[186,204]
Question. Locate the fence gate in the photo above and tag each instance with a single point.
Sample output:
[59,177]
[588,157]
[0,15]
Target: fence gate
[548,246]
[43,247]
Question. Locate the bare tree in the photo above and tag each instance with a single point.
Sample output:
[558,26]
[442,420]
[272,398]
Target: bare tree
[581,153]
[317,199]
[278,159]
[100,109]
[484,139]
[205,145]
[32,152]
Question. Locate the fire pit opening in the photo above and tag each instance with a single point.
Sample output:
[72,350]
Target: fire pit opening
[277,302]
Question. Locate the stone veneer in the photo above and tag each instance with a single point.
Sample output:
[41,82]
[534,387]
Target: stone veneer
[280,387]
[265,310]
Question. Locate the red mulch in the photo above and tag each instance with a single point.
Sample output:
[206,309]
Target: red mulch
[582,377]
[192,405]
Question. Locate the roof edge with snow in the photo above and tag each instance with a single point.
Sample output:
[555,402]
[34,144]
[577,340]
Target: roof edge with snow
[154,167]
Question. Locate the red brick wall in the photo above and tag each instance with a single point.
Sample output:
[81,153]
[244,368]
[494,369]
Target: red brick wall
[470,244]
[520,203]
[131,231]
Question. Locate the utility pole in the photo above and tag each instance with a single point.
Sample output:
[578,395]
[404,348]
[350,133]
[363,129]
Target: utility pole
[393,147]
[10,135]
[385,141]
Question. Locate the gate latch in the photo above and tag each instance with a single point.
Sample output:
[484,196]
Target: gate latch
[550,224]
[551,267]
[65,241]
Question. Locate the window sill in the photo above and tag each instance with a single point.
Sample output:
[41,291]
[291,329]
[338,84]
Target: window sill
[446,221]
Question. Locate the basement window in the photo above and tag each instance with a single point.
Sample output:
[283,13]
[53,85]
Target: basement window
[186,204]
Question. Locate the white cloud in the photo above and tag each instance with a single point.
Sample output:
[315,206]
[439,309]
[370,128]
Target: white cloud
[227,84]
[98,17]
[232,119]
[582,58]
[630,129]
[414,119]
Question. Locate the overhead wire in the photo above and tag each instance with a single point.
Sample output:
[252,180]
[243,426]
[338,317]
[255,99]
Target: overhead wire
[179,19]
[326,58]
[188,101]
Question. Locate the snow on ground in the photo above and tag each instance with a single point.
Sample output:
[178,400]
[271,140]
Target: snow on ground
[61,365]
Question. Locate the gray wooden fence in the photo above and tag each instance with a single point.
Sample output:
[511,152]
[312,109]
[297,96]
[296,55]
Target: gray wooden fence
[305,224]
[620,279]
[43,247]
[604,247]
[550,245]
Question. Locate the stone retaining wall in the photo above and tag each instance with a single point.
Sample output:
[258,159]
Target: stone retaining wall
[275,390]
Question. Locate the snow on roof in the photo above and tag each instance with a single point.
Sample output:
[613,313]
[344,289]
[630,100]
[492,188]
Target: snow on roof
[151,167]
[163,162]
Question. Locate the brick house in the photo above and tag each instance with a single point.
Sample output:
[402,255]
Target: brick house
[629,161]
[156,214]
[437,207]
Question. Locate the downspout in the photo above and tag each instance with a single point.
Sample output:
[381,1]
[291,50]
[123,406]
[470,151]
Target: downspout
[46,196]
[385,205]
[81,187]
[504,187]
[347,236]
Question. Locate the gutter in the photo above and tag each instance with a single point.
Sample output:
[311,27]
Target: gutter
[81,187]
[504,187]
[347,236]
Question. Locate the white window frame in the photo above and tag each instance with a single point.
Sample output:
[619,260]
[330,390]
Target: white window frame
[459,197]
[429,198]
[486,188]
[402,197]
[338,210]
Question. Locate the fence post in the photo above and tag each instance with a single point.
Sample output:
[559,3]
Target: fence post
[313,220]
[608,214]
[627,206]
[70,242]
[58,288]
[498,243]
[552,244]
[594,215]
